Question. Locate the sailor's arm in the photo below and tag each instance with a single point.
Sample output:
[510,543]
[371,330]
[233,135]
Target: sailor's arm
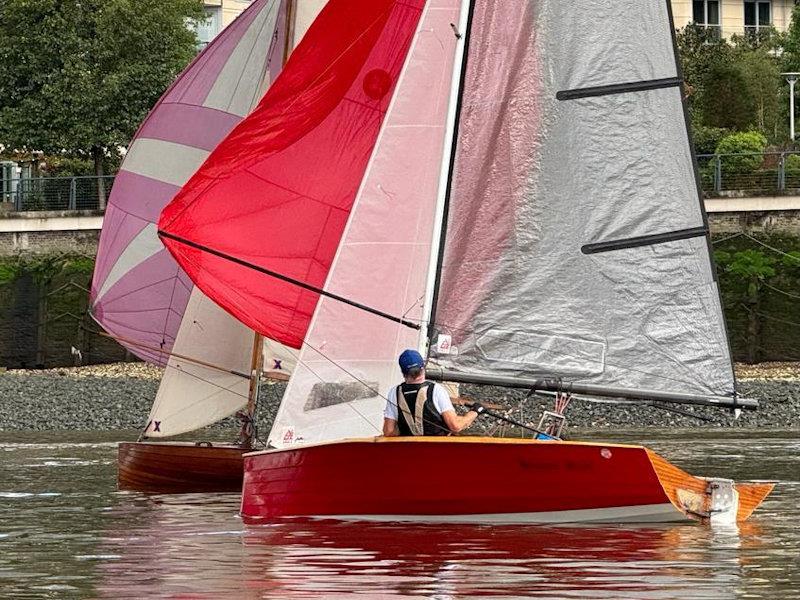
[390,415]
[456,422]
[452,419]
[390,428]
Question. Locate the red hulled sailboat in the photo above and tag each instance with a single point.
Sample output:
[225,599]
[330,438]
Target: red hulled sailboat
[509,187]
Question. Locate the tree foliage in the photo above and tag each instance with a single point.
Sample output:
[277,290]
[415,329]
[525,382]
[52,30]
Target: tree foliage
[734,84]
[744,151]
[78,76]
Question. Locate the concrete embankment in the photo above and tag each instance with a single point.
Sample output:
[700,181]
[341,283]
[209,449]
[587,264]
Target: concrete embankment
[118,397]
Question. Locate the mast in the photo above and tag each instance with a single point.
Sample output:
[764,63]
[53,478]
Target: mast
[256,366]
[257,359]
[446,177]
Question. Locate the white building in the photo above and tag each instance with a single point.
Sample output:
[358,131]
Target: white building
[729,17]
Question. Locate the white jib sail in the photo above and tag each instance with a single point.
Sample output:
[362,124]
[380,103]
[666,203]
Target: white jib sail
[349,359]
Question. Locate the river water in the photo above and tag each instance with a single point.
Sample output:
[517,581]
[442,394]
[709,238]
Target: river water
[66,532]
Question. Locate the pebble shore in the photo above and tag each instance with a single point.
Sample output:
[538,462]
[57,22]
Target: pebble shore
[118,397]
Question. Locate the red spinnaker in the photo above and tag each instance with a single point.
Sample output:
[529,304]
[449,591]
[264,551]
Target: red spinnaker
[277,192]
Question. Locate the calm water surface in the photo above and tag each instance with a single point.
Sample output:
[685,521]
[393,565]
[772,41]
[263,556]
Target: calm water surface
[66,532]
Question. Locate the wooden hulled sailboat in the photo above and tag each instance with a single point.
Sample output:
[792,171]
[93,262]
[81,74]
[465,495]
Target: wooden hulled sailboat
[144,300]
[507,185]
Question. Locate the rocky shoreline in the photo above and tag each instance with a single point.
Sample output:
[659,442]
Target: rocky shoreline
[118,397]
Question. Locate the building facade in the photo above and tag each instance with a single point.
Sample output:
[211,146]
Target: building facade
[221,13]
[729,17]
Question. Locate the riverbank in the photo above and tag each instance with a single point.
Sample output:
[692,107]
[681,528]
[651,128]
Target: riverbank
[118,397]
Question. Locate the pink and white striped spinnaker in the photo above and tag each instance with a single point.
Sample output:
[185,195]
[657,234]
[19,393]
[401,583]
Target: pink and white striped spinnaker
[139,294]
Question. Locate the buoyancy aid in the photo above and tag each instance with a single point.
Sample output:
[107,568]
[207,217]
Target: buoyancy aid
[417,414]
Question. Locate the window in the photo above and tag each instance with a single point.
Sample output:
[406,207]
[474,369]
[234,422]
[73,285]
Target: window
[208,29]
[757,14]
[706,13]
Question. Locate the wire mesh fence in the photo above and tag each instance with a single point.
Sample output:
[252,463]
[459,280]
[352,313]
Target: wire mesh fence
[56,193]
[721,175]
[762,174]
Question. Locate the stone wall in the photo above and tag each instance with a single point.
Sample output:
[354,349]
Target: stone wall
[37,243]
[47,233]
[755,222]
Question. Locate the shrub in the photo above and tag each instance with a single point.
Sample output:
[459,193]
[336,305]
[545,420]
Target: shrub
[745,150]
[706,139]
[791,164]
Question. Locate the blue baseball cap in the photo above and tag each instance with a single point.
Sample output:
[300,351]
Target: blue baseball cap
[410,359]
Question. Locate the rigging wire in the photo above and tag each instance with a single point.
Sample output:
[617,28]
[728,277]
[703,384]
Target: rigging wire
[767,246]
[725,239]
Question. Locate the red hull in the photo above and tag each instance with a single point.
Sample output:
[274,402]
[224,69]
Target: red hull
[463,480]
[170,467]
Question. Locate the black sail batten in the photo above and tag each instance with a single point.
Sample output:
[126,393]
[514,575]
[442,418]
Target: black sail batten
[644,240]
[291,280]
[620,88]
[588,389]
[467,35]
[697,181]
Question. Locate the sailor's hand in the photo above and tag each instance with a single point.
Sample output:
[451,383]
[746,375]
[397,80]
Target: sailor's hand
[477,407]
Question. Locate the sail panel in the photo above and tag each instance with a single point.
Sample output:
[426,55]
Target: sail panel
[278,191]
[136,294]
[349,359]
[192,395]
[546,177]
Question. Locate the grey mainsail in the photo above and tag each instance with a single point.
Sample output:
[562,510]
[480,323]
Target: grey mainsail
[576,242]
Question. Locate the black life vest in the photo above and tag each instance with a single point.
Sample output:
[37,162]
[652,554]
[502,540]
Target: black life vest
[411,420]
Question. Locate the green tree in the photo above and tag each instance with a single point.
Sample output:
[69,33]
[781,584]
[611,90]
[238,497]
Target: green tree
[764,83]
[751,268]
[700,50]
[791,44]
[727,99]
[78,76]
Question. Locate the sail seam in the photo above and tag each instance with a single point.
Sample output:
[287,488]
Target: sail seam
[644,240]
[619,88]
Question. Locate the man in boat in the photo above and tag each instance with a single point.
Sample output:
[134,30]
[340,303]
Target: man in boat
[420,407]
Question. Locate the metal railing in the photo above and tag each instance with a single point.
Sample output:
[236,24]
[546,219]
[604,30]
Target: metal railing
[56,193]
[721,175]
[741,175]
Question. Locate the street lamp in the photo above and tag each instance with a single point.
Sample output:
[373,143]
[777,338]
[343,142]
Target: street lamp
[792,79]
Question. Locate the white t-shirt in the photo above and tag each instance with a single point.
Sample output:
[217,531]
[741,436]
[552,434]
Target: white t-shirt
[441,400]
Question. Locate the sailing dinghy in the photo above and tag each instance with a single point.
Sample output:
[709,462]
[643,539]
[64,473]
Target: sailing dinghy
[145,301]
[510,187]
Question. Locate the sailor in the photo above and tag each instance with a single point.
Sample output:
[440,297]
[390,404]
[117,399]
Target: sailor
[424,406]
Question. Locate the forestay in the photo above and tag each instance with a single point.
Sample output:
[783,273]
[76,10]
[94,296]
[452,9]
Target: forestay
[139,294]
[576,245]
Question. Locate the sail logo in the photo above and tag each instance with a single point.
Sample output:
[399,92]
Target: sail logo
[277,366]
[444,344]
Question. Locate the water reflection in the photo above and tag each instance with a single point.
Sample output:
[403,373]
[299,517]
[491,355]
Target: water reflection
[65,532]
[194,557]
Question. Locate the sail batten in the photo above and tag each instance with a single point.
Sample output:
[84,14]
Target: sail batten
[619,88]
[644,240]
